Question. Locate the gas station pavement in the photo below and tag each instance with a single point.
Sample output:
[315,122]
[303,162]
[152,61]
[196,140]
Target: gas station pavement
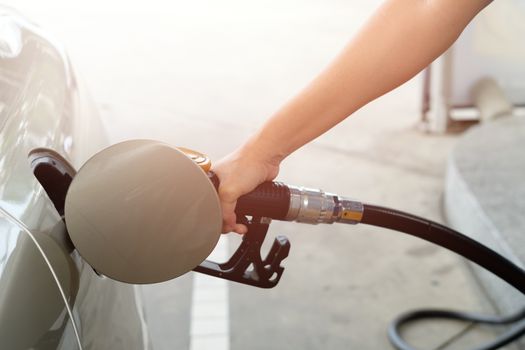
[204,75]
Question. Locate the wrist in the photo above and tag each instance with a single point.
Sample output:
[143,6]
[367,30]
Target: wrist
[264,148]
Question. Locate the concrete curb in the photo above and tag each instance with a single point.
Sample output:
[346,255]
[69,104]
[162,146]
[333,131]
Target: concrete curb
[484,185]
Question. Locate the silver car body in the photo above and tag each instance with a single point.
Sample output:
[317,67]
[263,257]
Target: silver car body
[49,297]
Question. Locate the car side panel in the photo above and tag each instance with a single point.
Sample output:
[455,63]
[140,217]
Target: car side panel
[43,105]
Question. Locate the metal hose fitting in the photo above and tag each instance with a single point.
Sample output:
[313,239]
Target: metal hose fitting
[316,206]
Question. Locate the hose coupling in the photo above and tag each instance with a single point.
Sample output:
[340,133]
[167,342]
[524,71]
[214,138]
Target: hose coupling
[316,206]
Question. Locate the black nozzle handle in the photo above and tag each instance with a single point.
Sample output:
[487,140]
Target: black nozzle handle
[269,199]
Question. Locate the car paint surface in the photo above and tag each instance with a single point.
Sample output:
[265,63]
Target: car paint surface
[42,104]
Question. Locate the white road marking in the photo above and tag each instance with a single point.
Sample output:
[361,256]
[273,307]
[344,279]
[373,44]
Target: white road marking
[210,326]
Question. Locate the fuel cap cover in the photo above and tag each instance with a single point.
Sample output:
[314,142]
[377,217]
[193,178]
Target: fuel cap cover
[141,211]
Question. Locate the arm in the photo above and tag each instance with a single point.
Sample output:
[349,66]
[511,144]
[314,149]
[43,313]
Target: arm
[397,42]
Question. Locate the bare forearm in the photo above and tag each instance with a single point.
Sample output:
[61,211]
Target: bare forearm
[400,39]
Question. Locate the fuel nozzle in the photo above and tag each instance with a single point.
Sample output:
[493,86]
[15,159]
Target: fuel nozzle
[279,201]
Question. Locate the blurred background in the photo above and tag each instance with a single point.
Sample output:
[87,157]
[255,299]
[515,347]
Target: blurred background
[205,74]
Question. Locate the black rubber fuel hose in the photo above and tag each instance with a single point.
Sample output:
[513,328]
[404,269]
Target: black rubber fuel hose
[464,246]
[272,199]
[447,238]
[396,339]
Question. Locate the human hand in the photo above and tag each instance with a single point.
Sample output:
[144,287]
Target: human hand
[239,173]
